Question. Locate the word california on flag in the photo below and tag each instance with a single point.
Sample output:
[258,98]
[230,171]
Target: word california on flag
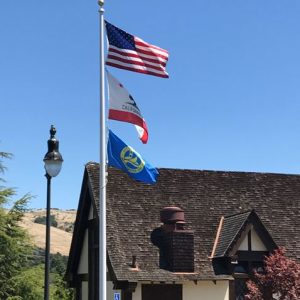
[122,107]
[131,53]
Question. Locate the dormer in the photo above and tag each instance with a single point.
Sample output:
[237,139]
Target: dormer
[241,243]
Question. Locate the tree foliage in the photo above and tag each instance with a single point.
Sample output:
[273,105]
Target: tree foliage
[15,246]
[21,270]
[42,220]
[28,284]
[280,280]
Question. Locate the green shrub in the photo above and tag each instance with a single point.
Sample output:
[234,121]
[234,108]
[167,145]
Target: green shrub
[42,220]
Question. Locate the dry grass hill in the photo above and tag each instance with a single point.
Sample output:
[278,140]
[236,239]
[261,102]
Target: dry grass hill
[61,235]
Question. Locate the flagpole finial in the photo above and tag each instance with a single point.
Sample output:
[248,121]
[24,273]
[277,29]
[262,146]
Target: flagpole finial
[101,2]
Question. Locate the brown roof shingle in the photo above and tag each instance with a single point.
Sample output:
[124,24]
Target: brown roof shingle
[133,210]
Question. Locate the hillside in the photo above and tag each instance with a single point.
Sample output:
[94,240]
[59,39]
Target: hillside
[60,239]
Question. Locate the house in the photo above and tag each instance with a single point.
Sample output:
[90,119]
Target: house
[193,235]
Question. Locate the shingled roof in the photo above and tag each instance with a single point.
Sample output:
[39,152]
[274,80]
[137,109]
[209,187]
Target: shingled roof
[231,226]
[133,211]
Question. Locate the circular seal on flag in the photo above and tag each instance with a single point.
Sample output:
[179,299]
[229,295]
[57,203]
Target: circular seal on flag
[131,160]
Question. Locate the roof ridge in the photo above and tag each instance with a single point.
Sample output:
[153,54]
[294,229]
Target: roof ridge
[240,213]
[215,171]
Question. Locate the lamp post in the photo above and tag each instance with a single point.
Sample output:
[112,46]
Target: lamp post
[53,162]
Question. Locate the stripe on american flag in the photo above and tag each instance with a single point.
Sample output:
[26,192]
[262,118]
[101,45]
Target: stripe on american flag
[133,54]
[135,68]
[136,54]
[135,60]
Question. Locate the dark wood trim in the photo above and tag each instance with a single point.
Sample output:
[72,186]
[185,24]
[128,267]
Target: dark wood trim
[78,292]
[125,286]
[125,295]
[81,277]
[251,255]
[249,240]
[93,224]
[93,259]
[240,276]
[162,291]
[231,290]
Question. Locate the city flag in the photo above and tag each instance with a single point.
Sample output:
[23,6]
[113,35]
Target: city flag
[127,159]
[132,53]
[122,107]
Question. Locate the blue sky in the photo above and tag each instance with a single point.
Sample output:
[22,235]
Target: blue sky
[231,102]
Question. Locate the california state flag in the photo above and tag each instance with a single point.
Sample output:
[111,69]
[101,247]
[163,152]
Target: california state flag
[122,107]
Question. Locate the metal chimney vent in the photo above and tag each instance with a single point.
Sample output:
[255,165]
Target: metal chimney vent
[172,215]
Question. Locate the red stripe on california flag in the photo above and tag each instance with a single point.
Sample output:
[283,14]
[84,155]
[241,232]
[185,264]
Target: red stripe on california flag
[123,116]
[144,137]
[165,75]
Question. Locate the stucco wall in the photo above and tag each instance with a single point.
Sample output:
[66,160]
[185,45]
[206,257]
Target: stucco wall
[137,295]
[244,244]
[256,242]
[109,291]
[206,290]
[84,290]
[83,266]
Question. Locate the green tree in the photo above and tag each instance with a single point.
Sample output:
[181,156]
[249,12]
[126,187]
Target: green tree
[28,284]
[58,263]
[60,290]
[42,220]
[21,265]
[15,247]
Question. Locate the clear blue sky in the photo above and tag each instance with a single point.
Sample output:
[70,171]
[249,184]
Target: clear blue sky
[231,102]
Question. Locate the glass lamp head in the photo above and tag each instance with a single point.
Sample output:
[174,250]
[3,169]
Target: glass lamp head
[53,159]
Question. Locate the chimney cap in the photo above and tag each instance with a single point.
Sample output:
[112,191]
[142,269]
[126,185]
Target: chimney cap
[172,215]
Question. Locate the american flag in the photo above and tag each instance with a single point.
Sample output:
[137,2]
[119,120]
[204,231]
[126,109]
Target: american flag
[132,53]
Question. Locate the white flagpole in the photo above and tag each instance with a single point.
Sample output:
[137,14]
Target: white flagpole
[102,170]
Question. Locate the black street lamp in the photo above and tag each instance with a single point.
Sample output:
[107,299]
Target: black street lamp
[53,162]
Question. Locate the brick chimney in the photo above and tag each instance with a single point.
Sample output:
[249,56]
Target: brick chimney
[177,243]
